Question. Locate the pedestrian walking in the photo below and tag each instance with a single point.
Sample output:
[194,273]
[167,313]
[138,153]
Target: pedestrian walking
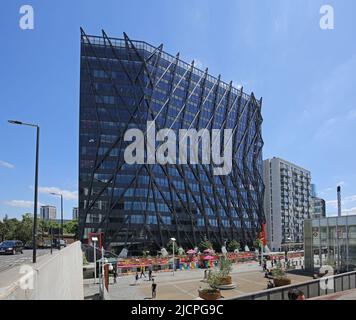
[205,274]
[143,272]
[136,278]
[150,274]
[264,265]
[114,272]
[154,289]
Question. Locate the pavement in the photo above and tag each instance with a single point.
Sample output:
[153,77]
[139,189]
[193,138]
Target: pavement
[184,285]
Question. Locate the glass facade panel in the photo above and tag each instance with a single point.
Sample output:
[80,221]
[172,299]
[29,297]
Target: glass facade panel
[333,242]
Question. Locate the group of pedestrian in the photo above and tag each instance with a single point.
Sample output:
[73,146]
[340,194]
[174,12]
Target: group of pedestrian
[150,278]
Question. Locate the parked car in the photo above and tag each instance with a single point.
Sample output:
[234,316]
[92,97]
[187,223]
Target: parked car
[62,243]
[28,245]
[11,247]
[59,243]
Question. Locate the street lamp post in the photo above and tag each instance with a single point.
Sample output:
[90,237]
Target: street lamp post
[60,195]
[174,265]
[34,233]
[289,246]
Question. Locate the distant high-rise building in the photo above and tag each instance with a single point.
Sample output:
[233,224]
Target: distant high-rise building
[75,213]
[318,205]
[319,208]
[313,190]
[287,202]
[48,213]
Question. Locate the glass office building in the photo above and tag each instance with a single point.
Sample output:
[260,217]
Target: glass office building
[330,241]
[125,83]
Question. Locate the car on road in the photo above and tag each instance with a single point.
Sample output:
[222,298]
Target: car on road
[11,247]
[62,243]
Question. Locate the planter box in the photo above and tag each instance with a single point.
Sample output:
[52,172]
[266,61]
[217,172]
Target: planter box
[209,295]
[225,281]
[281,282]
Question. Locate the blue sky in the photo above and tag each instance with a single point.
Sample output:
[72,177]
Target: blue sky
[274,48]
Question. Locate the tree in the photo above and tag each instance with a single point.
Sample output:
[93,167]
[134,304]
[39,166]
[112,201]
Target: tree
[13,229]
[257,243]
[233,245]
[10,226]
[206,244]
[225,267]
[70,227]
[24,229]
[2,231]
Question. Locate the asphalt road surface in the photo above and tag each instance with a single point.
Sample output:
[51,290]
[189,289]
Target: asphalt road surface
[9,261]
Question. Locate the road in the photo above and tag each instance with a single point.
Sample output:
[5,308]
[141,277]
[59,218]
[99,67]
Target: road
[9,261]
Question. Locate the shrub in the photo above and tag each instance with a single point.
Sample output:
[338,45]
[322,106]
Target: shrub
[205,245]
[225,267]
[233,245]
[85,261]
[278,272]
[214,280]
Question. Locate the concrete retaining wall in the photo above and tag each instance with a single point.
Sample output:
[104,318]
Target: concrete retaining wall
[55,277]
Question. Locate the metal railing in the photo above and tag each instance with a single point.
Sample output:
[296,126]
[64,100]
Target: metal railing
[311,289]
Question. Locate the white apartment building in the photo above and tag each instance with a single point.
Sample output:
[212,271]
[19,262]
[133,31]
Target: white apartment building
[287,202]
[48,213]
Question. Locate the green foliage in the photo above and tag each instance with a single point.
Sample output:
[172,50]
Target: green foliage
[214,280]
[24,229]
[205,245]
[13,229]
[85,261]
[216,247]
[233,245]
[70,227]
[257,243]
[169,247]
[225,267]
[278,272]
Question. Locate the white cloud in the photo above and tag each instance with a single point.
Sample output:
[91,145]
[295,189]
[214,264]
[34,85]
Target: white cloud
[237,85]
[21,203]
[6,165]
[348,201]
[67,195]
[349,212]
[332,203]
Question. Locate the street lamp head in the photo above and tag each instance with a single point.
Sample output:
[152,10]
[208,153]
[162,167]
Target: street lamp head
[94,239]
[173,239]
[14,122]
